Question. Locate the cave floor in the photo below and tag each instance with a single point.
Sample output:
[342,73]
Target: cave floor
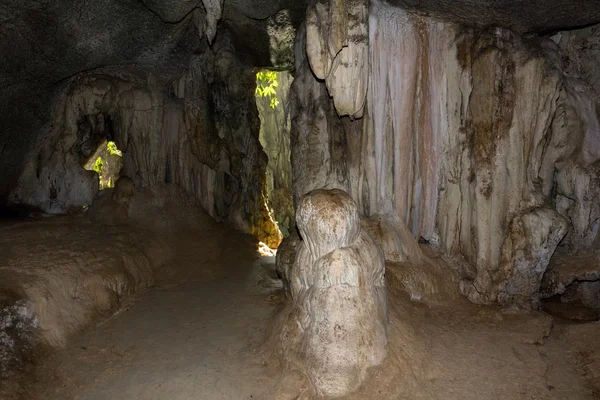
[193,335]
[199,333]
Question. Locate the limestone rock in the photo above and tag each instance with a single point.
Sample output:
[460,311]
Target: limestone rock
[574,278]
[394,238]
[571,311]
[214,9]
[531,241]
[578,190]
[532,16]
[334,327]
[124,190]
[581,54]
[112,206]
[337,48]
[318,141]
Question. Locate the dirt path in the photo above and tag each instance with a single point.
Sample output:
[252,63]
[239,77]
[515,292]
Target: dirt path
[191,337]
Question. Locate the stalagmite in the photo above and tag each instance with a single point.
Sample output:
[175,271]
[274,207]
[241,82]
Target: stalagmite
[334,328]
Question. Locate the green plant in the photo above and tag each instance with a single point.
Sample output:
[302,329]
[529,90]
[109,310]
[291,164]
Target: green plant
[112,149]
[98,165]
[266,82]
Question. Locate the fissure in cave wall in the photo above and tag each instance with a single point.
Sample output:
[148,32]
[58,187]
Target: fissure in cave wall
[200,133]
[483,142]
[275,140]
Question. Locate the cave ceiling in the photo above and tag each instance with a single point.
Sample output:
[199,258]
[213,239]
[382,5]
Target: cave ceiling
[522,16]
[56,39]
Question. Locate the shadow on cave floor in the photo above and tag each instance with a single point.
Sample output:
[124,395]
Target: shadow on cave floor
[199,334]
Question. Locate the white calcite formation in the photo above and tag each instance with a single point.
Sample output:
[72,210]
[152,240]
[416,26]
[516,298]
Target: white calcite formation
[338,47]
[334,327]
[481,142]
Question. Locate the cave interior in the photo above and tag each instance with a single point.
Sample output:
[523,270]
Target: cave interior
[235,199]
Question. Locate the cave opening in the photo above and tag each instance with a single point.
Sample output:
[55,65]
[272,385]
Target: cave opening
[271,93]
[107,162]
[97,149]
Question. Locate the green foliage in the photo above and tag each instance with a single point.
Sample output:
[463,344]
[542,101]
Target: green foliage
[112,149]
[98,165]
[266,82]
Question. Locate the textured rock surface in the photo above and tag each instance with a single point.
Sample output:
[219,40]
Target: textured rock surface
[334,327]
[574,278]
[526,252]
[18,325]
[285,258]
[535,15]
[75,282]
[394,238]
[111,207]
[583,343]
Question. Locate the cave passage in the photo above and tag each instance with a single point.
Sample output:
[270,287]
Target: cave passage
[308,200]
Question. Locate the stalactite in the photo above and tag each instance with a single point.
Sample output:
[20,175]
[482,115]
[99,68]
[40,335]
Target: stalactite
[337,48]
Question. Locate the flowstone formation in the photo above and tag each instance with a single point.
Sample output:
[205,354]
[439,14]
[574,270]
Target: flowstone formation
[483,142]
[334,328]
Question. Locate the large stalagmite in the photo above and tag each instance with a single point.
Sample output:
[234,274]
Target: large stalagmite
[334,328]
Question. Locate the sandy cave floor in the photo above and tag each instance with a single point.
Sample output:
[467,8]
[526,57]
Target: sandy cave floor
[199,333]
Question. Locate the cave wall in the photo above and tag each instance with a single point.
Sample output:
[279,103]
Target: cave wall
[481,140]
[199,132]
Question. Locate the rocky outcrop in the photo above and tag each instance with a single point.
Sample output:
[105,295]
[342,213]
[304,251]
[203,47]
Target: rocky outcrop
[479,141]
[334,326]
[111,207]
[532,16]
[394,238]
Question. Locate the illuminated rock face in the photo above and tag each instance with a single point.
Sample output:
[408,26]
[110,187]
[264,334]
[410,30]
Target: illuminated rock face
[335,328]
[481,142]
